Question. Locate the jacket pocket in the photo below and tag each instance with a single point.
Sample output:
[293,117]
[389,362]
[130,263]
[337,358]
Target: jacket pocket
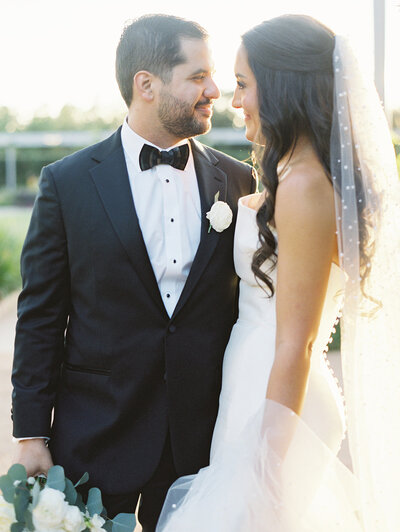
[84,369]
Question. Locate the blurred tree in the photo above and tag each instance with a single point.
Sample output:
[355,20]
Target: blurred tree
[70,118]
[40,123]
[223,118]
[224,115]
[8,120]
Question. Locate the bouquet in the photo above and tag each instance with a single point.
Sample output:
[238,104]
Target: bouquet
[54,505]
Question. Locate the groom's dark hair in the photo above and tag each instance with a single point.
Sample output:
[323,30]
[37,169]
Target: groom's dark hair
[152,43]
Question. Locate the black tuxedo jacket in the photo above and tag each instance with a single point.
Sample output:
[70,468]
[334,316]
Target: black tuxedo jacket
[94,343]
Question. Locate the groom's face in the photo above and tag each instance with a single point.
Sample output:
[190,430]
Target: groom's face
[186,102]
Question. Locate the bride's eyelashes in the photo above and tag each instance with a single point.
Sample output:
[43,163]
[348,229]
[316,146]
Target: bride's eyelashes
[240,85]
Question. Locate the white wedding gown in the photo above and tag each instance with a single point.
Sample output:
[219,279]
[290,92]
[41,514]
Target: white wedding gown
[270,471]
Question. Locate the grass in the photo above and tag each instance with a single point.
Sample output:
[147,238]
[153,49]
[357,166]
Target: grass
[13,227]
[335,345]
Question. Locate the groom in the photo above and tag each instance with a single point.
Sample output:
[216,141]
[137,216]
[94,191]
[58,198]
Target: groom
[128,299]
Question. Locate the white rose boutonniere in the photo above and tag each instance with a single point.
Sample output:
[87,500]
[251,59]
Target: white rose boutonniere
[220,215]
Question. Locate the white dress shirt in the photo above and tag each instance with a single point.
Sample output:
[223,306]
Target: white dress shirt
[167,203]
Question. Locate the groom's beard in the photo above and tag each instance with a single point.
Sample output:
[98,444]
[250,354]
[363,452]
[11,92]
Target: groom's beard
[178,117]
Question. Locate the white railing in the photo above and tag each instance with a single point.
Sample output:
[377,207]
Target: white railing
[78,139]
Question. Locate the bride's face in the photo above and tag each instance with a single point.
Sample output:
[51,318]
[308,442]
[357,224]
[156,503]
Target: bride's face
[245,96]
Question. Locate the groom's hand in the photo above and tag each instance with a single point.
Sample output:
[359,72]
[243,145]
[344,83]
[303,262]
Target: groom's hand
[34,455]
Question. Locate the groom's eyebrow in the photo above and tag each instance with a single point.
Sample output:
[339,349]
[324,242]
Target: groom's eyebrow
[203,71]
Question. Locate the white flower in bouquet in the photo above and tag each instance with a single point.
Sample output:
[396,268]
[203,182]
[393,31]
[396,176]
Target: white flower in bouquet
[220,215]
[7,515]
[48,515]
[96,523]
[73,520]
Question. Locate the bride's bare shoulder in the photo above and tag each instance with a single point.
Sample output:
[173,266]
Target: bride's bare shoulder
[304,190]
[304,181]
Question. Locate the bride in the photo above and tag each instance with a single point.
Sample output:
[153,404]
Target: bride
[322,238]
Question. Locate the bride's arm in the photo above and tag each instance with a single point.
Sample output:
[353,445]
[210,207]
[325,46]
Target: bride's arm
[305,222]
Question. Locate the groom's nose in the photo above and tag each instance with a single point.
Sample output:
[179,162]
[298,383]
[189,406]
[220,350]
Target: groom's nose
[211,91]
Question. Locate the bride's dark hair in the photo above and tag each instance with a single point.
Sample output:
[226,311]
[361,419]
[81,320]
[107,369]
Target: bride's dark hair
[291,58]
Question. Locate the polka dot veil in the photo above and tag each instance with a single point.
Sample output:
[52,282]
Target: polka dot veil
[367,200]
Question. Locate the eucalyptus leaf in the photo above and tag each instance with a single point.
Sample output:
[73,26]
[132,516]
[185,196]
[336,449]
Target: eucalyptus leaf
[124,523]
[28,520]
[216,197]
[82,480]
[56,478]
[70,492]
[108,526]
[17,472]
[21,503]
[7,488]
[17,527]
[35,494]
[79,503]
[22,490]
[94,503]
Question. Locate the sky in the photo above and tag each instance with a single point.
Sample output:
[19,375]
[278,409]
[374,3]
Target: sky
[55,52]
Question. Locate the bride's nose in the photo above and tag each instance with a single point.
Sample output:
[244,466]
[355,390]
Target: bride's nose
[236,101]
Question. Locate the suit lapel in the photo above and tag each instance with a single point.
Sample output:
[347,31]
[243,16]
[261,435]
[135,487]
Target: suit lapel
[211,180]
[111,179]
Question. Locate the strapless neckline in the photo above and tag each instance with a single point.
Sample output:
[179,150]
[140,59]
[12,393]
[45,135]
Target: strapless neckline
[242,202]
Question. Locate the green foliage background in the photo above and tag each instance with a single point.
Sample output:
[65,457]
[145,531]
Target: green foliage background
[13,227]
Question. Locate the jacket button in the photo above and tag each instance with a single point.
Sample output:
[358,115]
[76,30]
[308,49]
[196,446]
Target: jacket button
[165,377]
[172,328]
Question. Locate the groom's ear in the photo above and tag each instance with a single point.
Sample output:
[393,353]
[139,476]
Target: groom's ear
[143,85]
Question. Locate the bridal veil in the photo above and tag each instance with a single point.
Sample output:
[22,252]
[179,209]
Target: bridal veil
[367,201]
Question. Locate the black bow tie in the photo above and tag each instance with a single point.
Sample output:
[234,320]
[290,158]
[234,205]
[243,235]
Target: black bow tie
[151,156]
